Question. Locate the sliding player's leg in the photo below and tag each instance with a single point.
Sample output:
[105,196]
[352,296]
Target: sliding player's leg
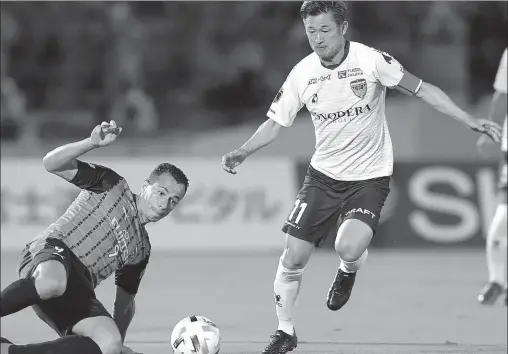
[45,264]
[361,212]
[103,330]
[82,322]
[313,214]
[65,345]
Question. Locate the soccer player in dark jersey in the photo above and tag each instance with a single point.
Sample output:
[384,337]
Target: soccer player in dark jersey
[101,233]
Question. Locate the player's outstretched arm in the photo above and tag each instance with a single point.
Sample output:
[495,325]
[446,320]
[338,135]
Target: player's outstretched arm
[62,160]
[443,103]
[264,135]
[124,310]
[127,281]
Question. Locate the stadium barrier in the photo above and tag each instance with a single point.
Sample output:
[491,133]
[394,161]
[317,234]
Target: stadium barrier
[430,205]
[220,212]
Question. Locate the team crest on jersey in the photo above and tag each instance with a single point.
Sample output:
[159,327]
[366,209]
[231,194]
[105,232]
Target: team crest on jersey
[278,96]
[359,87]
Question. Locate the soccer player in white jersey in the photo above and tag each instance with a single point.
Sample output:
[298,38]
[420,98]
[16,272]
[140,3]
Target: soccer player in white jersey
[496,235]
[343,84]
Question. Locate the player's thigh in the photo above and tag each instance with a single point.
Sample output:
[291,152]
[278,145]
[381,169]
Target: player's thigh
[297,253]
[314,212]
[103,330]
[48,262]
[62,314]
[75,304]
[353,238]
[361,214]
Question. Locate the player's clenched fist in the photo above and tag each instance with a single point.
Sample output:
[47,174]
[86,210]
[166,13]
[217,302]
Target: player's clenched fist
[105,134]
[232,160]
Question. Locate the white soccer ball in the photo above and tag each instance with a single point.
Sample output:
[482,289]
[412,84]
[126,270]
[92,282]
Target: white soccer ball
[195,335]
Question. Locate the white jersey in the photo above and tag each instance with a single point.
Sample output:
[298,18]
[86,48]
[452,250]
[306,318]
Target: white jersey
[347,106]
[500,85]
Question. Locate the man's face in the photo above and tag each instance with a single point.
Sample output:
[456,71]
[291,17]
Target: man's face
[159,198]
[326,38]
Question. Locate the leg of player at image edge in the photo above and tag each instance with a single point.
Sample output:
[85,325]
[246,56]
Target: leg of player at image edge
[496,258]
[65,345]
[22,294]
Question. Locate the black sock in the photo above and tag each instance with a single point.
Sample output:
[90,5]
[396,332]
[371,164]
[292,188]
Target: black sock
[19,295]
[65,345]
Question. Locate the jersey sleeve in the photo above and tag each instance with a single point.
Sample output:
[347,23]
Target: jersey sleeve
[500,81]
[287,102]
[129,276]
[95,178]
[390,73]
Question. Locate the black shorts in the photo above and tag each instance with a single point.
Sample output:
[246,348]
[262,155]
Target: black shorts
[323,203]
[79,300]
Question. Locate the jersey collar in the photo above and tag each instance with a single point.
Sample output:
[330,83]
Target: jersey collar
[335,66]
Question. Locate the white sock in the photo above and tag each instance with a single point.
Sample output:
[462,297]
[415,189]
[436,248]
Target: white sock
[351,267]
[286,288]
[496,246]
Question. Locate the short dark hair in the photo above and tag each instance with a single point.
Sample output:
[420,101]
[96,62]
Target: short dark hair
[314,8]
[174,171]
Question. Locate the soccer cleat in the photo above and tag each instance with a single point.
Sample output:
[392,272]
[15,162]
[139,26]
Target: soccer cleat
[490,293]
[340,291]
[281,343]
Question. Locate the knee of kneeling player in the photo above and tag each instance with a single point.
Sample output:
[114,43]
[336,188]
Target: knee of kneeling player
[49,287]
[348,251]
[110,343]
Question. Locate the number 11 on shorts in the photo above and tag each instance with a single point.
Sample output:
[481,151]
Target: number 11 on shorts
[298,205]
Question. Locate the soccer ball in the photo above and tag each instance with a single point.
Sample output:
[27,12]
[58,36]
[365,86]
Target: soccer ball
[195,335]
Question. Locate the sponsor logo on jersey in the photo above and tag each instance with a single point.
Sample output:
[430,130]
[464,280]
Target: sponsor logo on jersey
[314,98]
[354,72]
[342,116]
[122,236]
[315,80]
[350,73]
[359,87]
[278,96]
